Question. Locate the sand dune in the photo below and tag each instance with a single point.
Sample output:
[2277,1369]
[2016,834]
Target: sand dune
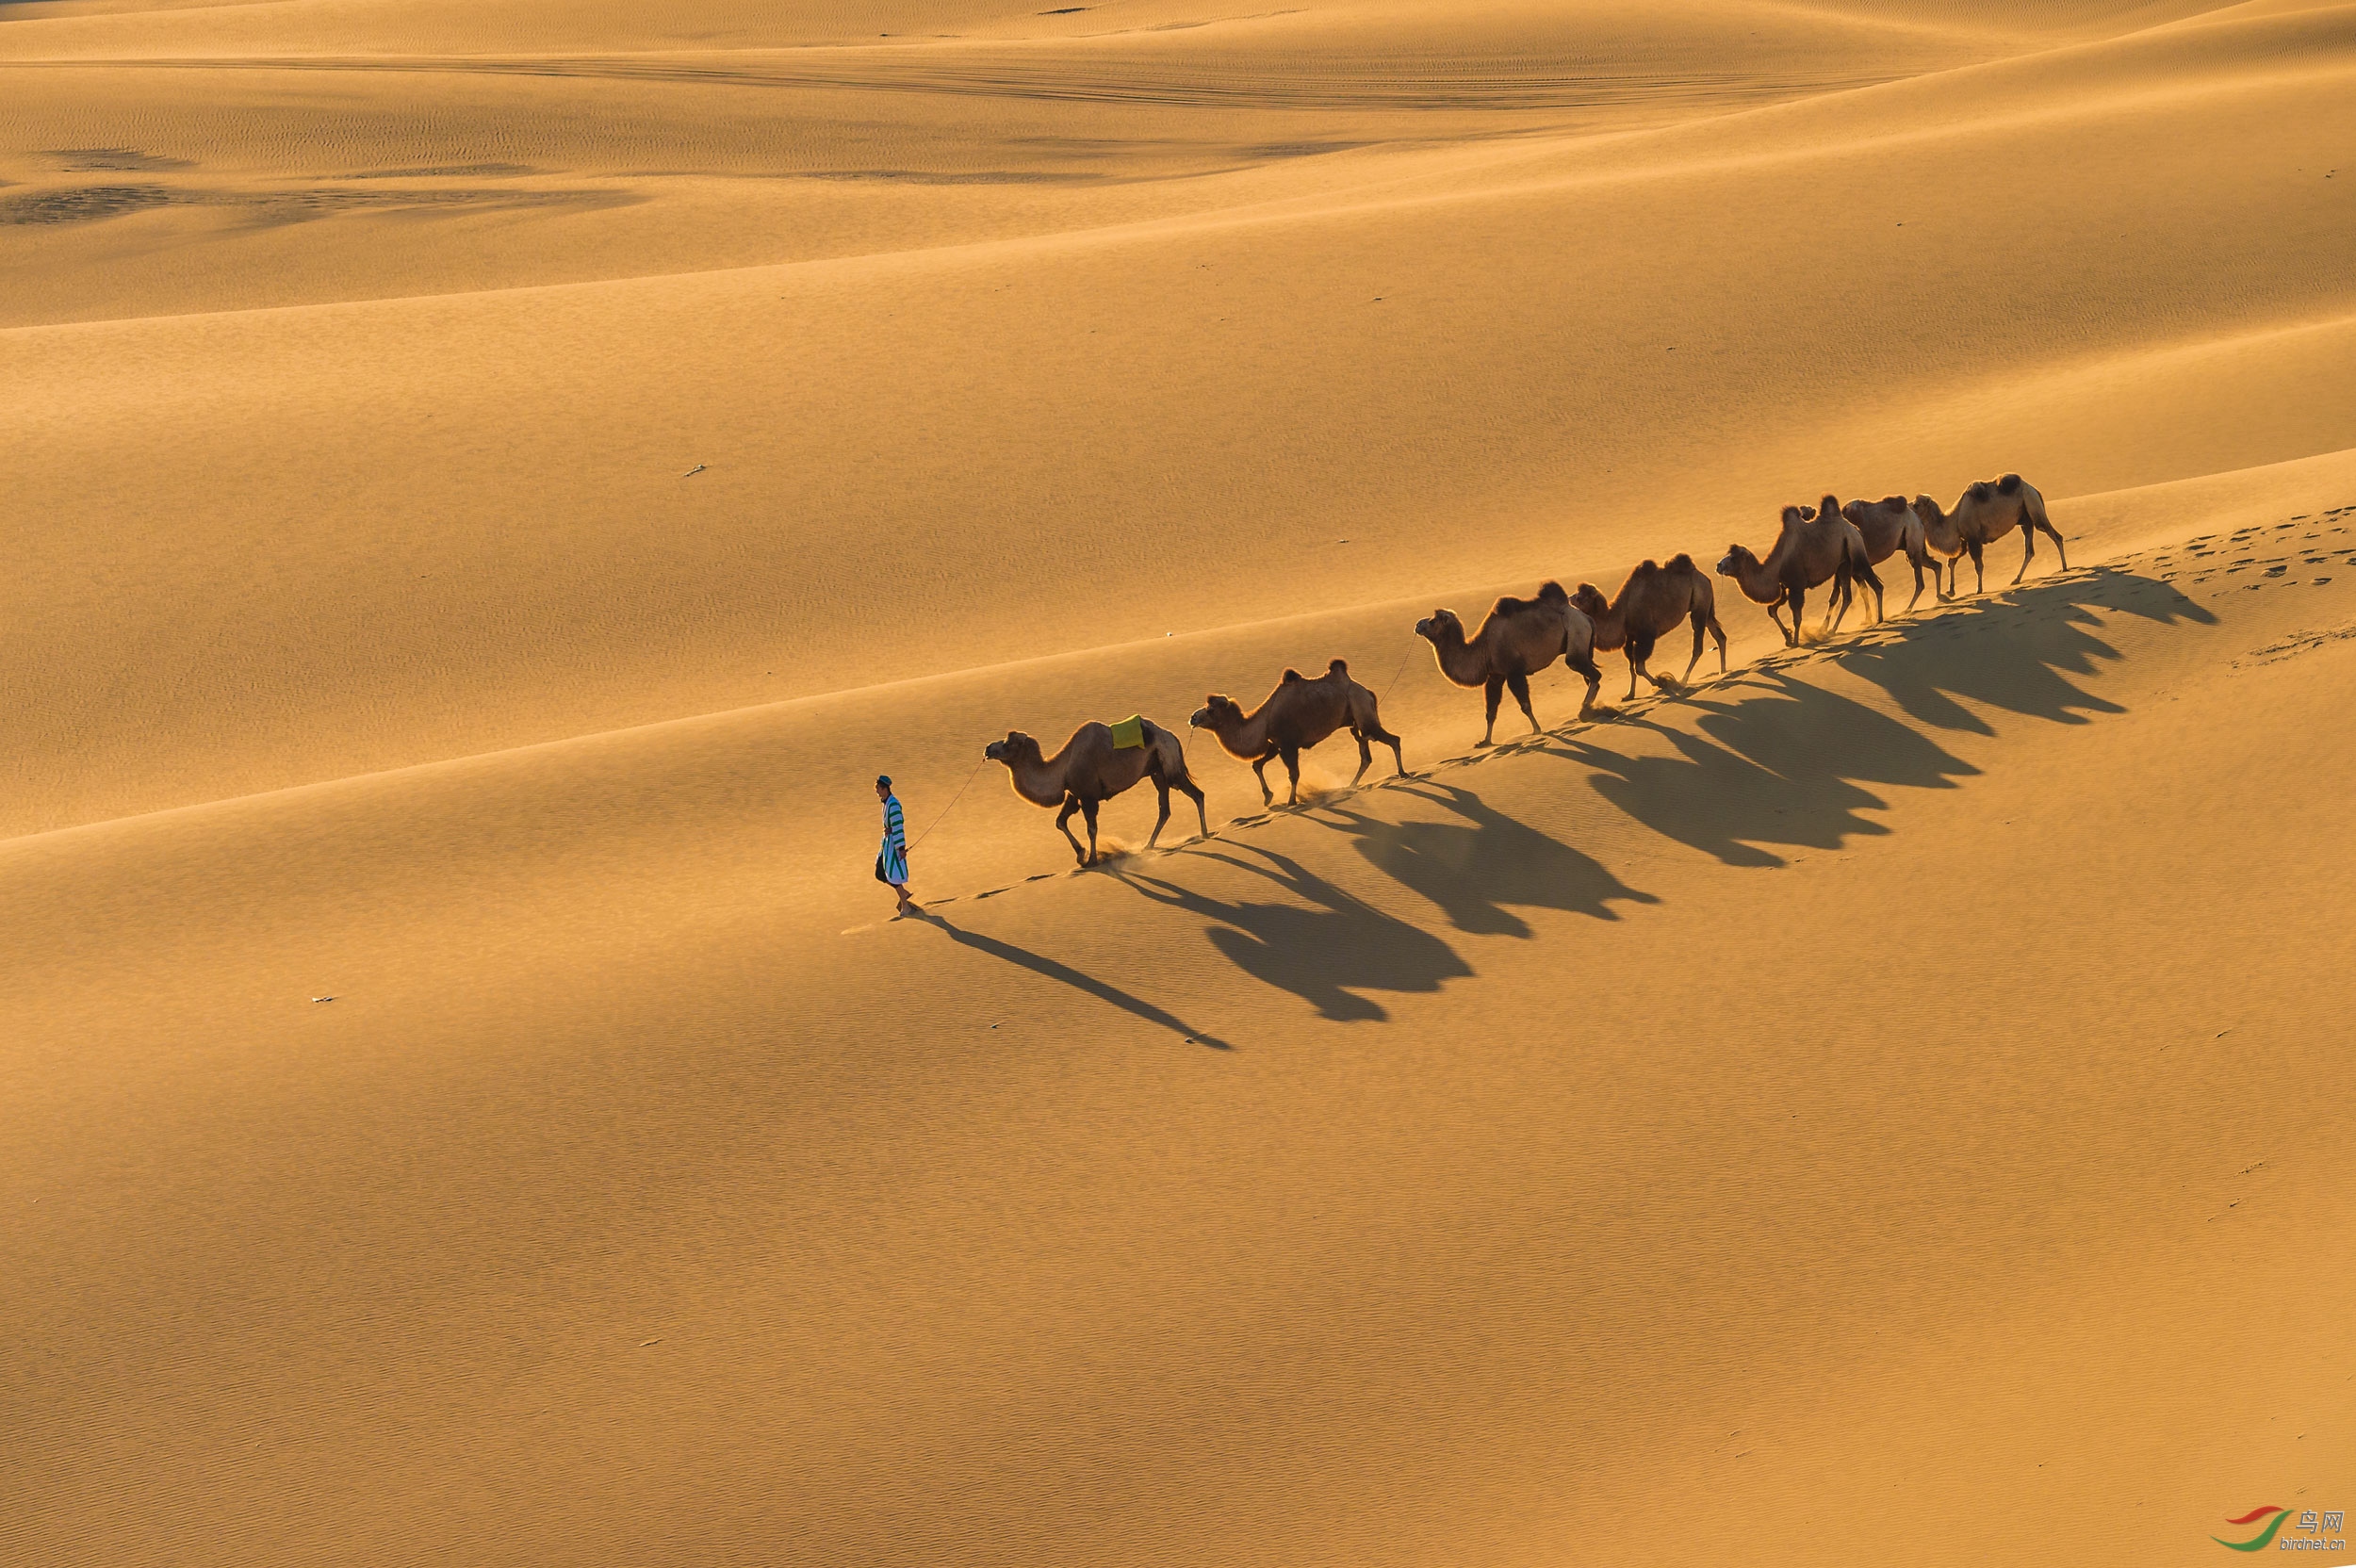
[493,483]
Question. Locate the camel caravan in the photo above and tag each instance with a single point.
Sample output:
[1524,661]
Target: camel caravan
[1827,546]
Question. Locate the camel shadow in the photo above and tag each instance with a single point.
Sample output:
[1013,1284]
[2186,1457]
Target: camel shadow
[1472,870]
[1788,763]
[1038,964]
[1781,766]
[2015,650]
[1324,953]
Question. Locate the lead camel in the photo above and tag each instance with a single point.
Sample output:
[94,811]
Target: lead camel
[1091,770]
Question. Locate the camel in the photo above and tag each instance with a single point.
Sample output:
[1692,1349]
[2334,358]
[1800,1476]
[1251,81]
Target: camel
[1296,716]
[1940,537]
[1889,526]
[1519,638]
[1650,604]
[1812,548]
[1091,770]
[1984,514]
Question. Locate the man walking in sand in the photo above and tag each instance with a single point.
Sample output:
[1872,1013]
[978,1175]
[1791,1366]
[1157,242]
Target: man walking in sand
[891,863]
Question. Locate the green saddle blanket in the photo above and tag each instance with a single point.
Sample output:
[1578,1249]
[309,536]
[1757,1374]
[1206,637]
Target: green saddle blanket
[1129,732]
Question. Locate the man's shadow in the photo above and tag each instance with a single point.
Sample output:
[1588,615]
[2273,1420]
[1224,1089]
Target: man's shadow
[1086,983]
[1473,869]
[1322,954]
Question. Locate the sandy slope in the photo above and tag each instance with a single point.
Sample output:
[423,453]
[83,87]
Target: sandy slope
[1880,1106]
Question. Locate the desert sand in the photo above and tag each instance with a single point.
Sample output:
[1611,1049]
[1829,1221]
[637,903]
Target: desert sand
[490,484]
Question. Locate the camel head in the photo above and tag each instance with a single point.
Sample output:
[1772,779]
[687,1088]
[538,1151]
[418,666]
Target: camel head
[1439,625]
[1928,509]
[1739,557]
[1590,602]
[1015,750]
[1216,712]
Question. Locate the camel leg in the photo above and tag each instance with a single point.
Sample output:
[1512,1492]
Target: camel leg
[1161,787]
[1718,634]
[1519,686]
[2028,551]
[1063,821]
[1399,758]
[1292,771]
[1916,562]
[1659,682]
[1797,601]
[1979,574]
[1595,684]
[1873,582]
[1195,795]
[1259,770]
[1492,692]
[1687,678]
[2053,533]
[1088,809]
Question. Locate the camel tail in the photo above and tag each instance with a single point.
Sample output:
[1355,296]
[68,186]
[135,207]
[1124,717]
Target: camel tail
[1169,754]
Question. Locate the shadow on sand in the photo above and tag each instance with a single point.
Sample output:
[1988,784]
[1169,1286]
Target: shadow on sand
[1474,869]
[1788,763]
[1025,958]
[1777,761]
[2023,645]
[1337,945]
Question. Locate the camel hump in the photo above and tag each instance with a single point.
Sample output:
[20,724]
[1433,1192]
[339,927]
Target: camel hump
[1895,503]
[2009,483]
[1290,675]
[1550,591]
[1682,562]
[1339,666]
[1979,491]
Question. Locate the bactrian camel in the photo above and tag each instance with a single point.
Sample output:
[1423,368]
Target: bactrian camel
[1984,515]
[1813,548]
[1891,525]
[1091,770]
[1519,638]
[1296,716]
[1649,606]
